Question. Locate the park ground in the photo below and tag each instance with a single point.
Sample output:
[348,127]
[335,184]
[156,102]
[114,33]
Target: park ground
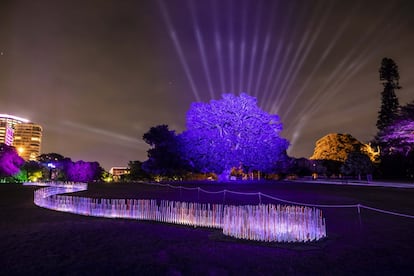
[37,241]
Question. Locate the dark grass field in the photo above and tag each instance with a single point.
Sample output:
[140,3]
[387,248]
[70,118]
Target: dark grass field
[36,241]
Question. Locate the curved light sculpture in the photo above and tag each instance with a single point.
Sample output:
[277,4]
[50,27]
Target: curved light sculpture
[264,222]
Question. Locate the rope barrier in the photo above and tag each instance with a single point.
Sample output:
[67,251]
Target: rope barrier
[288,201]
[241,193]
[387,212]
[309,204]
[209,192]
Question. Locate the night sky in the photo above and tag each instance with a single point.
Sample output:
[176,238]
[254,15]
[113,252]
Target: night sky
[98,74]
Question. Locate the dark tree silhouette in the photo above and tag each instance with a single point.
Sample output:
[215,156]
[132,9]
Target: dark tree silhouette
[54,166]
[357,164]
[136,171]
[50,157]
[164,156]
[31,168]
[389,104]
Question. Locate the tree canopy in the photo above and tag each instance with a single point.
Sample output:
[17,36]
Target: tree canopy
[83,171]
[389,103]
[336,147]
[10,161]
[232,132]
[398,137]
[164,156]
[357,163]
[136,171]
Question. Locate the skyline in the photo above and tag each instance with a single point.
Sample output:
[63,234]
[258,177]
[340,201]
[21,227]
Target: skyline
[98,75]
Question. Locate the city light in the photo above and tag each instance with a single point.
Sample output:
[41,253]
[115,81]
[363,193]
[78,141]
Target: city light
[14,118]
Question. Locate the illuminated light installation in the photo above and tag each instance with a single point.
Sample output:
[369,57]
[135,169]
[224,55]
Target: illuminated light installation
[268,223]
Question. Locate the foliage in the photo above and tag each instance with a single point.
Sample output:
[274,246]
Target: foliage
[58,167]
[300,166]
[397,166]
[397,145]
[136,171]
[231,132]
[407,111]
[374,153]
[82,171]
[10,161]
[389,72]
[389,104]
[357,163]
[19,177]
[399,137]
[335,147]
[50,158]
[164,156]
[33,170]
[306,167]
[330,167]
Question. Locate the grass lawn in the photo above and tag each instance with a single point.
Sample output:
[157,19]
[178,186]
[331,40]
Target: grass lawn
[36,241]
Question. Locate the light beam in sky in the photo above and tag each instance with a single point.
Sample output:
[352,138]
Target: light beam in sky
[179,50]
[200,43]
[270,61]
[254,48]
[242,45]
[218,45]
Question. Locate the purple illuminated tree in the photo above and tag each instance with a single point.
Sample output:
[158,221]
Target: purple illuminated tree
[10,161]
[83,171]
[399,137]
[233,132]
[397,145]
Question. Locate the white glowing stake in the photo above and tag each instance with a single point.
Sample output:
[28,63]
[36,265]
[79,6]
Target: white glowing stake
[267,223]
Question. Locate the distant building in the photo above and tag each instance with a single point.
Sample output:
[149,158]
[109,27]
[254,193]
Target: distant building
[6,133]
[118,172]
[27,140]
[12,120]
[7,123]
[25,136]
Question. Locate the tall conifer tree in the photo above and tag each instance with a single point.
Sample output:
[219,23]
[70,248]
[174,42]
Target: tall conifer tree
[389,104]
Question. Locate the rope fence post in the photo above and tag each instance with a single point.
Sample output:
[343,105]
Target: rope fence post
[260,198]
[224,196]
[359,216]
[198,194]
